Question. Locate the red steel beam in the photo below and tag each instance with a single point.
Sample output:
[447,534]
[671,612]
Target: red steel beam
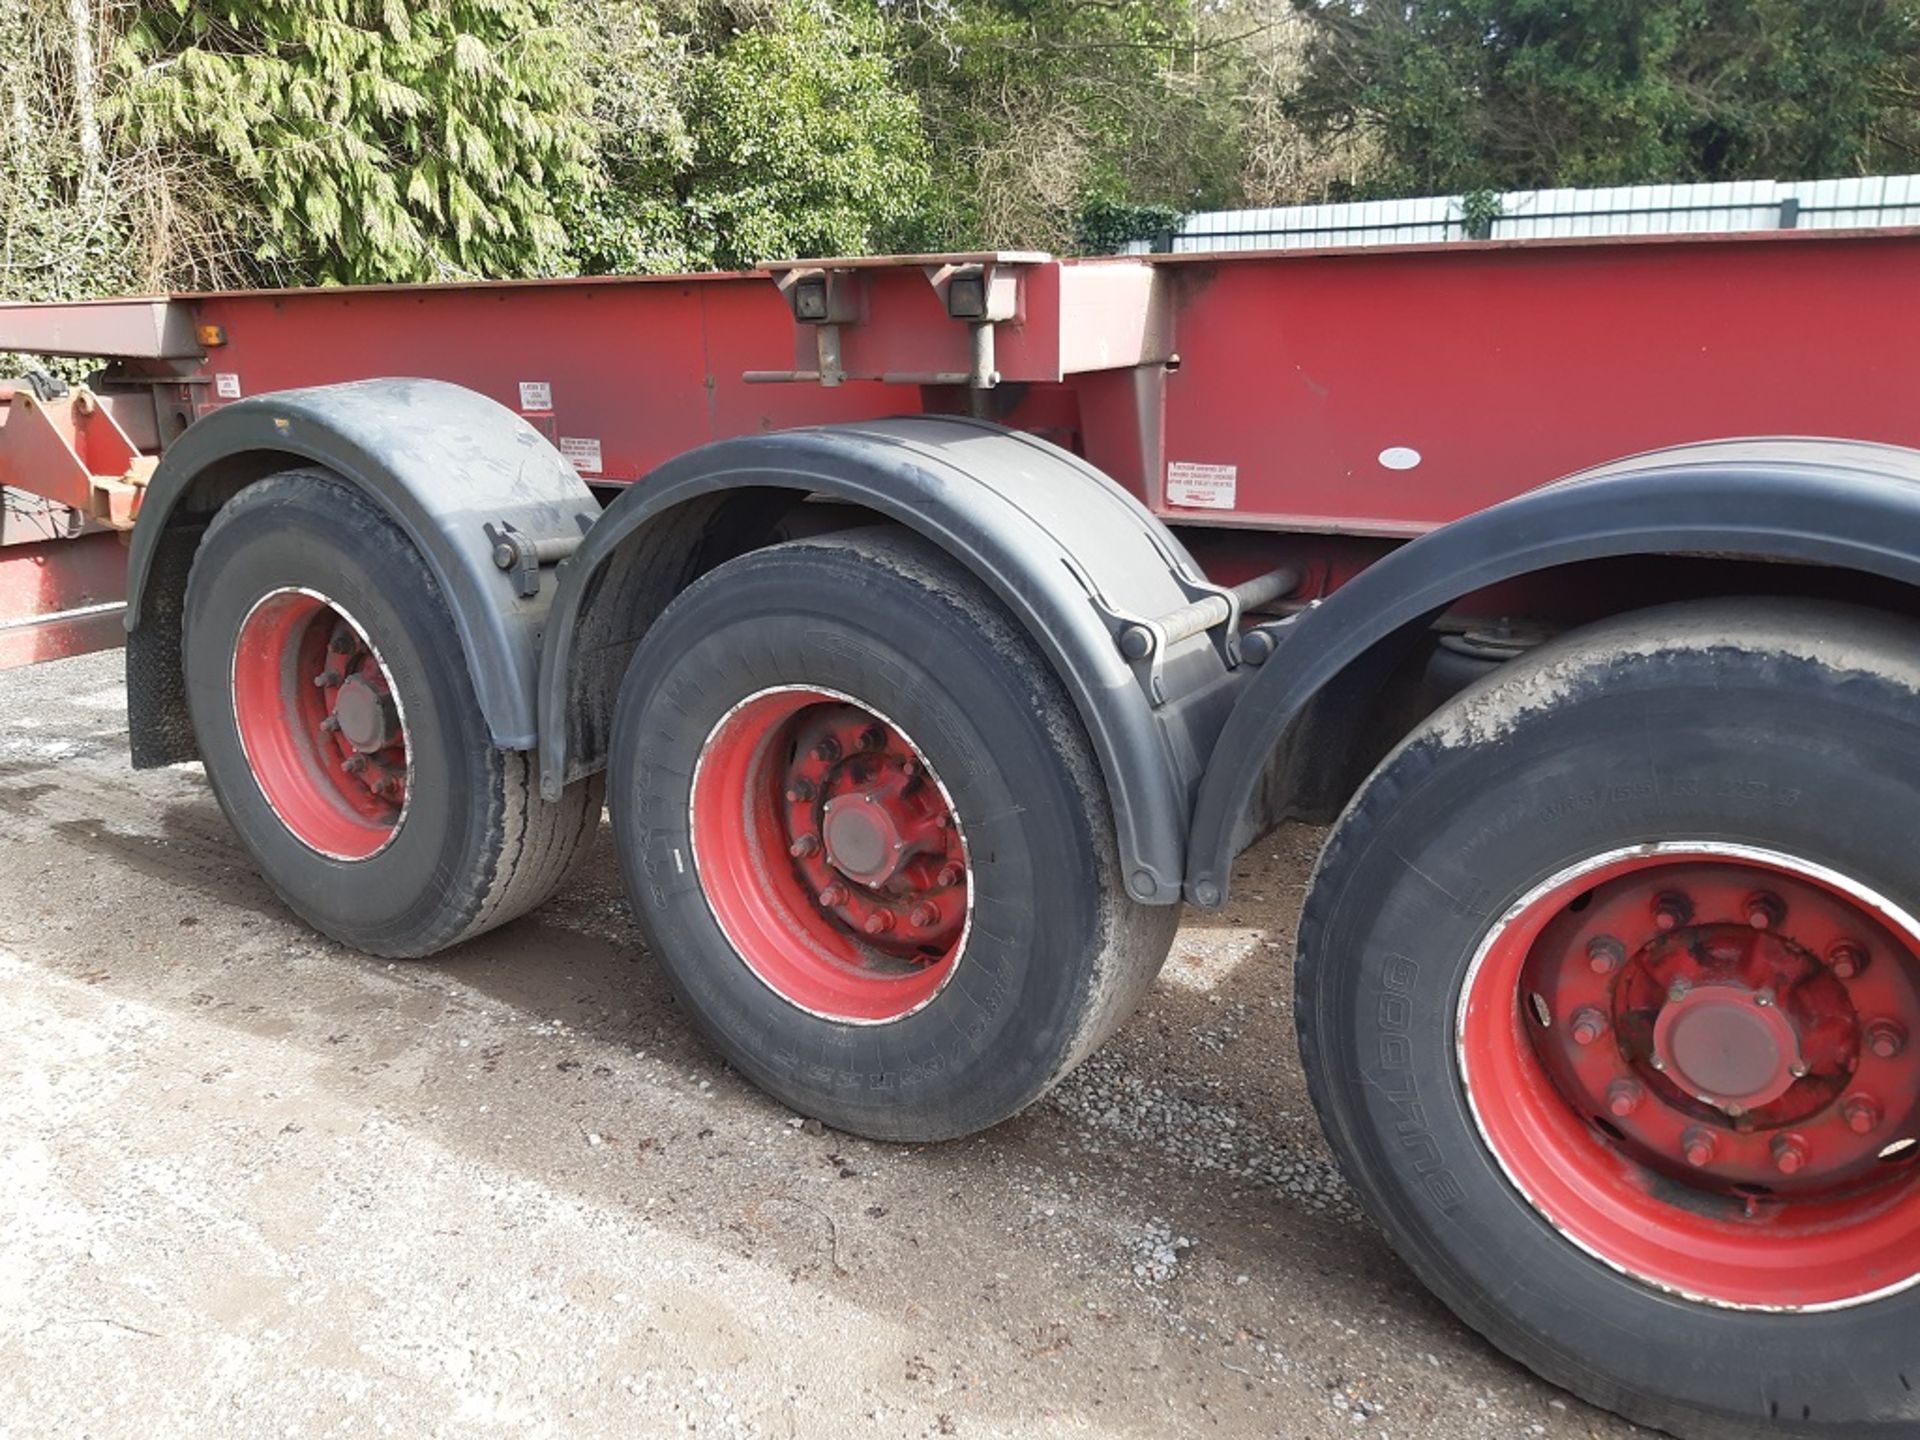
[1374,392]
[61,597]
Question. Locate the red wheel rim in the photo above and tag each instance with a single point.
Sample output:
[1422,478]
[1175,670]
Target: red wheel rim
[1693,1060]
[321,724]
[830,855]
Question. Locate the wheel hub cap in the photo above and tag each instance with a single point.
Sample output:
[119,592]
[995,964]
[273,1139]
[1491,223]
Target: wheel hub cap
[1730,1051]
[829,852]
[322,727]
[1697,1068]
[366,715]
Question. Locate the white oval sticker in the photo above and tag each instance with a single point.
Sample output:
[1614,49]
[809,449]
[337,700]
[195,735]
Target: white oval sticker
[1399,457]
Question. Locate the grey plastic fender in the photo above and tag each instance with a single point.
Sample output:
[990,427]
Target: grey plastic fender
[1065,548]
[442,460]
[1848,504]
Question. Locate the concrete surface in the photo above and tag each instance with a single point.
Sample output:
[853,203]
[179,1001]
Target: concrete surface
[253,1184]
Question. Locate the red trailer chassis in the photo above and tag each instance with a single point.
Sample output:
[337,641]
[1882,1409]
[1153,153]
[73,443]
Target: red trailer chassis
[1607,974]
[1476,370]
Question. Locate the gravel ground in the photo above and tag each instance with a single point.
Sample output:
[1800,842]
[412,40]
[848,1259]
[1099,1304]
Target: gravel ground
[254,1184]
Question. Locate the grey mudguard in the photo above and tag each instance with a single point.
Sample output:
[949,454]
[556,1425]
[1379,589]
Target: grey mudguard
[1064,547]
[443,461]
[1847,504]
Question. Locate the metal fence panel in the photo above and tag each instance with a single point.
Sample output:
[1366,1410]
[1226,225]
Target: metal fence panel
[1715,208]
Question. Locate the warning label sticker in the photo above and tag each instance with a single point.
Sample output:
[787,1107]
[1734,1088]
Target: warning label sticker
[536,395]
[583,455]
[226,386]
[1203,487]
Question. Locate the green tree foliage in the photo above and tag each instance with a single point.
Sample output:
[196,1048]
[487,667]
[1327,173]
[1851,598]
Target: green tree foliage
[1507,94]
[153,143]
[1043,111]
[735,135]
[371,139]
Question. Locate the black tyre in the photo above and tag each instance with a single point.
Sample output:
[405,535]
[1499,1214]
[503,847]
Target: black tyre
[340,732]
[863,831]
[1605,986]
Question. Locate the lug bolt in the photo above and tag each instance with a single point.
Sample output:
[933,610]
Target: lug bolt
[1698,1146]
[909,768]
[1847,959]
[879,922]
[329,725]
[354,764]
[1789,1153]
[326,679]
[1588,1026]
[827,750]
[385,785]
[951,874]
[341,644]
[1861,1112]
[1765,910]
[801,789]
[804,846]
[1671,910]
[872,738]
[1886,1038]
[1624,1097]
[1605,954]
[833,895]
[926,915]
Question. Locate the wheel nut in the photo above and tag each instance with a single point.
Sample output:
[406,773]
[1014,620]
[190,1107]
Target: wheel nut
[925,915]
[1847,959]
[1588,1026]
[801,789]
[872,738]
[879,922]
[1605,954]
[1624,1097]
[1861,1112]
[1886,1038]
[1698,1146]
[951,874]
[833,895]
[1671,910]
[341,644]
[1765,910]
[828,750]
[1789,1153]
[354,764]
[326,679]
[329,725]
[804,846]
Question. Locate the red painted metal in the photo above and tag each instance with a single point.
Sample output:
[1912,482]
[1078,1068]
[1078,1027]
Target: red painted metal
[1670,1056]
[58,596]
[1333,401]
[830,855]
[1501,366]
[70,451]
[321,724]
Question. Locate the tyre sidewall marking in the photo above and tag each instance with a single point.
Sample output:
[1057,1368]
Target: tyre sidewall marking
[318,551]
[1762,774]
[1013,843]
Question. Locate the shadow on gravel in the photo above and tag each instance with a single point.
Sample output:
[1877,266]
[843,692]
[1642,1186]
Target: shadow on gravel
[195,850]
